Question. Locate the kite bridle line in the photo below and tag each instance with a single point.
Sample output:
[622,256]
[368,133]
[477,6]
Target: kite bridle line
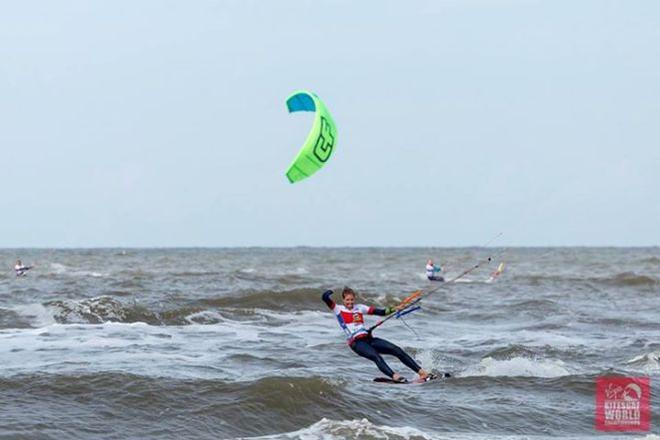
[485,245]
[409,305]
[488,243]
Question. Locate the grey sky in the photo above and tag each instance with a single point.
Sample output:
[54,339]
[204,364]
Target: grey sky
[155,123]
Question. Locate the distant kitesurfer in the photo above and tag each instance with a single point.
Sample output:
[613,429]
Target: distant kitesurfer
[360,339]
[21,269]
[495,275]
[433,271]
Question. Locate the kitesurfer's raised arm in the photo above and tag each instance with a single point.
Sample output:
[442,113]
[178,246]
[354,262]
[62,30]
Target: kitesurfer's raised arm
[327,299]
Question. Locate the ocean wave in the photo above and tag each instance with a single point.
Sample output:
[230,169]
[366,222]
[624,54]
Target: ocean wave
[26,316]
[363,429]
[204,317]
[535,306]
[53,271]
[518,366]
[11,318]
[623,279]
[351,429]
[270,407]
[99,310]
[649,363]
[651,260]
[631,279]
[96,310]
[270,299]
[284,277]
[112,402]
[292,299]
[107,308]
[126,405]
[522,351]
[193,274]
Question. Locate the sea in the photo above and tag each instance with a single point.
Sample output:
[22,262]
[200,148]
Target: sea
[217,343]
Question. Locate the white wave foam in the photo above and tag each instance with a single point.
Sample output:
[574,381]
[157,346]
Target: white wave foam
[60,269]
[427,360]
[518,366]
[101,308]
[648,362]
[284,272]
[326,429]
[87,273]
[204,317]
[198,351]
[330,430]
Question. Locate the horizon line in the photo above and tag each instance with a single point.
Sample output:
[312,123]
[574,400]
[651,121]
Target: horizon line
[332,247]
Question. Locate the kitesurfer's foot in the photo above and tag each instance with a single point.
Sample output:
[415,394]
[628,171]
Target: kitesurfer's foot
[398,378]
[426,376]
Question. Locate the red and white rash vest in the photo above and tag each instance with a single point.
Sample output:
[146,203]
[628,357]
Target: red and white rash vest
[351,320]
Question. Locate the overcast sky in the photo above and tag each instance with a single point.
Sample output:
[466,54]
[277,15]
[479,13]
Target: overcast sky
[163,123]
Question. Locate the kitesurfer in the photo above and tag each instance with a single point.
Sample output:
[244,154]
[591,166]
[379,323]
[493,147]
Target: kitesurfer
[21,269]
[433,271]
[361,341]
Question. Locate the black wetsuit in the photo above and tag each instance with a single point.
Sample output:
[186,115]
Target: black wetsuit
[372,349]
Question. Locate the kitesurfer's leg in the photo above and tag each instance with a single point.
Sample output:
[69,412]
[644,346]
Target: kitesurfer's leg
[364,349]
[385,347]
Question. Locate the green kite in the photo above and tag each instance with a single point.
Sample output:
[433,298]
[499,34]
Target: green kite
[320,142]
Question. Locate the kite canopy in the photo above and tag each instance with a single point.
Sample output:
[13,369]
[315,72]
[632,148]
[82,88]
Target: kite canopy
[321,140]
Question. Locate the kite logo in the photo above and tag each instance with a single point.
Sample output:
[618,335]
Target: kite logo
[325,142]
[622,404]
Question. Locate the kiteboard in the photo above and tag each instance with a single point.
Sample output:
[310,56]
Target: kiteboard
[438,279]
[417,381]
